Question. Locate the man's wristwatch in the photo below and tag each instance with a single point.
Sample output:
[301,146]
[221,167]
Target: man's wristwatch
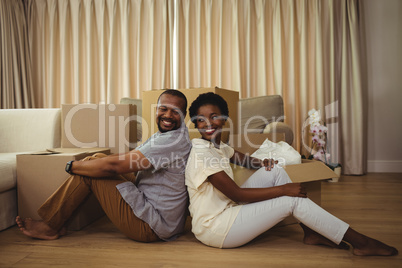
[69,166]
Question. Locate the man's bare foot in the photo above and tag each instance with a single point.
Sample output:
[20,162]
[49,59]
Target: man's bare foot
[36,229]
[311,237]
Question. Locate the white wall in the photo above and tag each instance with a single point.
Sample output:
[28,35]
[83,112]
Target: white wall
[383,25]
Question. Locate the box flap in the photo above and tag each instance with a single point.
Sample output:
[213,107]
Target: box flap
[70,151]
[309,171]
[46,152]
[77,150]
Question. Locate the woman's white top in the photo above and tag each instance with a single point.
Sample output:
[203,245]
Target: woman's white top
[212,212]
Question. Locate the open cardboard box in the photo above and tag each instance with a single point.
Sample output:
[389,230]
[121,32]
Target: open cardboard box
[310,172]
[39,174]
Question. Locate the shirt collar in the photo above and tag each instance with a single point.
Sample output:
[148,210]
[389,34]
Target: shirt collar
[201,143]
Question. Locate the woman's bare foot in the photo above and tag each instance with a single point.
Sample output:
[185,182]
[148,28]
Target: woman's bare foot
[366,246]
[36,229]
[311,237]
[375,248]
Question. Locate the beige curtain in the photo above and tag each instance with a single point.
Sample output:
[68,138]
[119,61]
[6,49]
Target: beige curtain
[307,51]
[102,50]
[98,50]
[15,72]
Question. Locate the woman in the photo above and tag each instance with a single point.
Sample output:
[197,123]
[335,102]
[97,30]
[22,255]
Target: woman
[226,216]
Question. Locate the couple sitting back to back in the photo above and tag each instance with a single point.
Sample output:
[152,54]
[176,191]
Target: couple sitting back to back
[152,207]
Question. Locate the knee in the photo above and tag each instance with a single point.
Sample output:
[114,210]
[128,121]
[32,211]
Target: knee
[99,155]
[282,175]
[288,203]
[94,156]
[87,158]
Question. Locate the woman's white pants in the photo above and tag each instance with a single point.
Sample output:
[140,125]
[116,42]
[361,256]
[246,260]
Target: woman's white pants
[256,218]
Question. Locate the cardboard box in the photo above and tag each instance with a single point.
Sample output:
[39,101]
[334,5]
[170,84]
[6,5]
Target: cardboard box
[111,126]
[40,174]
[310,172]
[150,98]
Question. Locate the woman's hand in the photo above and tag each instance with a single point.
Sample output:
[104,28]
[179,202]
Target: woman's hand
[268,163]
[247,161]
[294,190]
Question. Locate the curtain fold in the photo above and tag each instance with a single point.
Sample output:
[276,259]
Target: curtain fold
[15,72]
[307,51]
[98,51]
[351,91]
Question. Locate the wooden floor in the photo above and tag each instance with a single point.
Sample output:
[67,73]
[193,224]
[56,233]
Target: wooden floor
[371,204]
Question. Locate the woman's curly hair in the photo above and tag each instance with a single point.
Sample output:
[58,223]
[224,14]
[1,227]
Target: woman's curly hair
[208,98]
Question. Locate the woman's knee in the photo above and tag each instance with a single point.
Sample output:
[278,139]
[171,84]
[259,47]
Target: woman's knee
[287,203]
[282,176]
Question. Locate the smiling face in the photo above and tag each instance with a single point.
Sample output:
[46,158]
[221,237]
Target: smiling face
[210,122]
[169,112]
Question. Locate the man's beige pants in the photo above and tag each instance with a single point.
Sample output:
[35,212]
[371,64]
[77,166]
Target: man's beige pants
[57,210]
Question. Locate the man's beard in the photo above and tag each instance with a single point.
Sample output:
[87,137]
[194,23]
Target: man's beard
[163,130]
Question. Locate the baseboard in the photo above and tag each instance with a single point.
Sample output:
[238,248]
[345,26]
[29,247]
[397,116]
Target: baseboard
[383,166]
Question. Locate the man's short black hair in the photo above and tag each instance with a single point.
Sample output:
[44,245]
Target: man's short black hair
[176,93]
[208,98]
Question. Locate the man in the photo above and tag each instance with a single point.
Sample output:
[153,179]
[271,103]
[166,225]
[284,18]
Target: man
[150,209]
